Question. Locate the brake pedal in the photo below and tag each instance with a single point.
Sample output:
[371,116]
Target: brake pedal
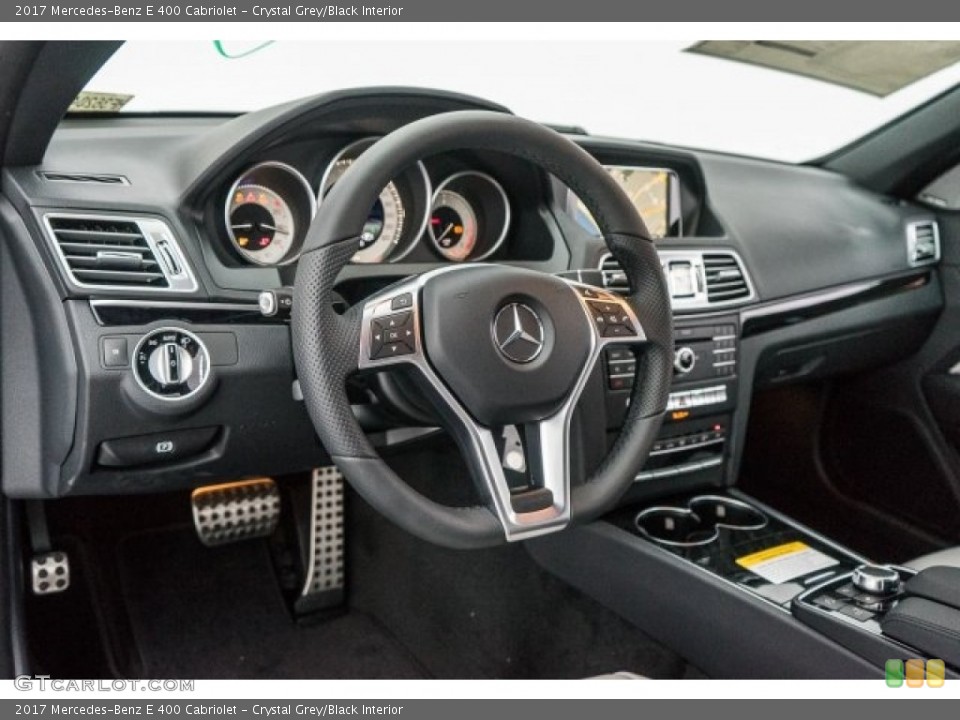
[49,568]
[50,572]
[323,585]
[235,511]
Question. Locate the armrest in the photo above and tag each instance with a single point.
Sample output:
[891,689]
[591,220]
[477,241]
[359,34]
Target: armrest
[940,584]
[930,627]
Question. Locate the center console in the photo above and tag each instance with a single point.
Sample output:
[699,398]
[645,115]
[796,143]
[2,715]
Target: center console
[694,436]
[753,593]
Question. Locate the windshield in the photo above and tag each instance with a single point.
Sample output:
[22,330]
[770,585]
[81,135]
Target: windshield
[784,101]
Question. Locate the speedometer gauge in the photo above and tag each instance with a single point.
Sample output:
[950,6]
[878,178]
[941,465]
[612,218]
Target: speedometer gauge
[399,214]
[383,229]
[267,213]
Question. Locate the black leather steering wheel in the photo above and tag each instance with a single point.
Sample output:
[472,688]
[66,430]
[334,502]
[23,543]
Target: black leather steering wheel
[490,345]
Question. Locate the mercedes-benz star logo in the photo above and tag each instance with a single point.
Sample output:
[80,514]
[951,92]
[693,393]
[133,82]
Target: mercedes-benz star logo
[518,333]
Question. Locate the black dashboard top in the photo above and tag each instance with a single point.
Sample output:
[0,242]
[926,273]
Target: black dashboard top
[237,193]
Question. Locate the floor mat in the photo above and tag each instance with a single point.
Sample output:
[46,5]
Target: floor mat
[201,612]
[489,613]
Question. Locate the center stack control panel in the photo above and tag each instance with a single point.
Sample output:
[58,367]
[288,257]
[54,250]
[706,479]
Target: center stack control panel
[702,398]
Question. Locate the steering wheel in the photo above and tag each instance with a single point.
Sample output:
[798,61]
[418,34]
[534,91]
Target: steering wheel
[489,345]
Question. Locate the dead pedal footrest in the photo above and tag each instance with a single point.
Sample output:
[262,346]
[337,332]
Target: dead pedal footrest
[324,582]
[235,511]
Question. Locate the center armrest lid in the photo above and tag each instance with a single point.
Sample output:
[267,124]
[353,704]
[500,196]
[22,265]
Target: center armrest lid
[940,584]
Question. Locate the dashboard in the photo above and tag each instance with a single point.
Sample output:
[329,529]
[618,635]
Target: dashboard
[137,236]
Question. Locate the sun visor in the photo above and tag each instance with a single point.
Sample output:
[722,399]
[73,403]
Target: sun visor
[876,67]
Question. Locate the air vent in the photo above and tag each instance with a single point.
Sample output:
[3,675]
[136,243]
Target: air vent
[52,176]
[923,242]
[724,278]
[696,280]
[107,252]
[614,278]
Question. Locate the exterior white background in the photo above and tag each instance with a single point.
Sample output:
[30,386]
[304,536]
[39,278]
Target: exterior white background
[622,88]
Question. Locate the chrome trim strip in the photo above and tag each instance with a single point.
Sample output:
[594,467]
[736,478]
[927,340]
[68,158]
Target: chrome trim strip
[674,470]
[231,307]
[154,230]
[807,301]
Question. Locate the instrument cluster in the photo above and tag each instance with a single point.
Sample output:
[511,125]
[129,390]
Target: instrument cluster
[464,217]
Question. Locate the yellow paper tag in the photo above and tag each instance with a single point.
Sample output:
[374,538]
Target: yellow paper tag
[786,562]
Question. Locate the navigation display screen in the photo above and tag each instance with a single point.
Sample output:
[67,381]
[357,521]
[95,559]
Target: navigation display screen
[653,192]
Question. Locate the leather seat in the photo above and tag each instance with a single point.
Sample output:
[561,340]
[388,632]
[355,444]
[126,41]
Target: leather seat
[948,556]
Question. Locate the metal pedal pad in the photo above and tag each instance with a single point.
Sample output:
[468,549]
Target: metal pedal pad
[50,572]
[324,581]
[236,511]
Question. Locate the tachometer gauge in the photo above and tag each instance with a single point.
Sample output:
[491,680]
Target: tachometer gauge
[268,212]
[399,215]
[453,226]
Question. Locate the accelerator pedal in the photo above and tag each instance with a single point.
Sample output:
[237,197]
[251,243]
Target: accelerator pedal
[323,585]
[235,511]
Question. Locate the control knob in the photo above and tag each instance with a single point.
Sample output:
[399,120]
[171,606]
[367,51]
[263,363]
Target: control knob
[878,580]
[171,364]
[684,359]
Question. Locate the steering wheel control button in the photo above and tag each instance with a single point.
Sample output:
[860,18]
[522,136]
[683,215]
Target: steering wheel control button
[402,302]
[154,448]
[392,336]
[611,319]
[114,352]
[171,364]
[876,580]
[518,332]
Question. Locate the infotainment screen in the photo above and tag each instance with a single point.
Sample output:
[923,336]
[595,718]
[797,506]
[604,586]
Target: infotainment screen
[655,194]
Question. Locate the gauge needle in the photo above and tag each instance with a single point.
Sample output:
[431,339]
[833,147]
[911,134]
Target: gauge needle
[445,232]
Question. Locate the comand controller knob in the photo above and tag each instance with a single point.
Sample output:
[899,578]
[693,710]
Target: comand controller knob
[878,580]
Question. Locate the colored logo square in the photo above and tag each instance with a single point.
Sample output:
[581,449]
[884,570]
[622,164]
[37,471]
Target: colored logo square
[914,673]
[894,673]
[935,673]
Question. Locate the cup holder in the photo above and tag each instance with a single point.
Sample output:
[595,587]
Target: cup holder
[700,522]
